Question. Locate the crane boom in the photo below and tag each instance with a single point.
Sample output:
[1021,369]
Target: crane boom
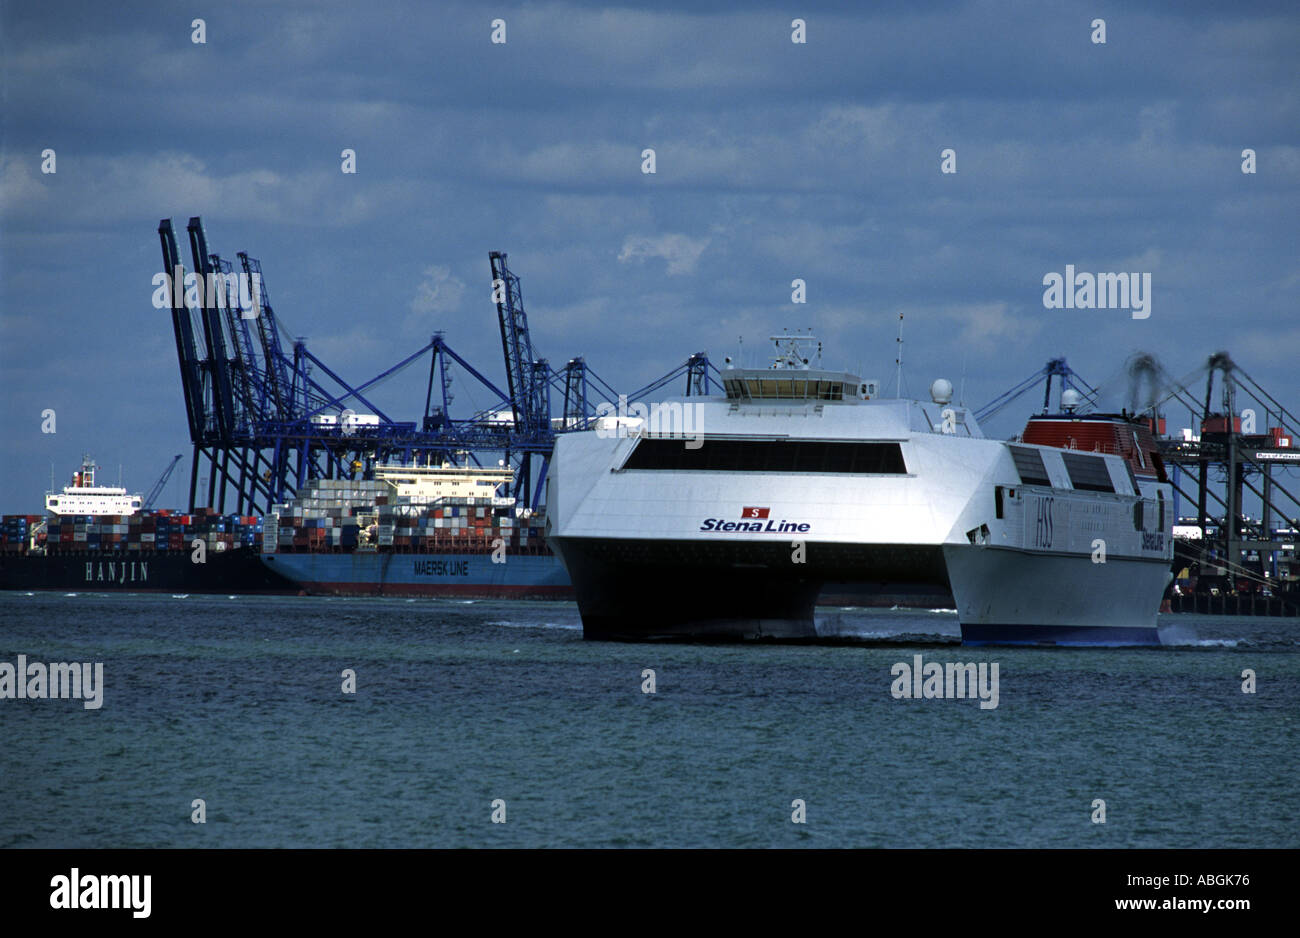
[162,481]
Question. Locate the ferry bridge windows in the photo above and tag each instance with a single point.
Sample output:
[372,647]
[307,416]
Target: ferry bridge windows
[798,389]
[770,456]
[1029,463]
[1088,473]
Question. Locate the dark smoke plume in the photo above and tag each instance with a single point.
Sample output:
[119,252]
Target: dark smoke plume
[1222,361]
[1144,381]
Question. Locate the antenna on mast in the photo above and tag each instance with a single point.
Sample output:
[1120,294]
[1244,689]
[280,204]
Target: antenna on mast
[898,387]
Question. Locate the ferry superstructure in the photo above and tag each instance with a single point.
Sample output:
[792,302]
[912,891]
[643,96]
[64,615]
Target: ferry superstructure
[802,478]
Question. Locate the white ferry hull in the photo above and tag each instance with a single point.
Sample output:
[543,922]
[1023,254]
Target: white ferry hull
[734,531]
[665,590]
[1016,597]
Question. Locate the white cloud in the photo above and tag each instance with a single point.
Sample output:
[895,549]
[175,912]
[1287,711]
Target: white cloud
[862,129]
[20,187]
[681,252]
[438,292]
[1156,125]
[99,189]
[988,327]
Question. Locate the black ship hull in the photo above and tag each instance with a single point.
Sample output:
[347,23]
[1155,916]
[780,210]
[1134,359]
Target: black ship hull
[660,590]
[233,571]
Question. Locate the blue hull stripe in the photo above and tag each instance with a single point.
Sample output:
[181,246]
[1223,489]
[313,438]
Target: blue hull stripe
[985,634]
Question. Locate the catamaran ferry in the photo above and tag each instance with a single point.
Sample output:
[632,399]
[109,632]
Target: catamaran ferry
[803,481]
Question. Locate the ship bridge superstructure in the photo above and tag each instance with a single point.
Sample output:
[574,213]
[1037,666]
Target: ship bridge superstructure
[85,497]
[795,374]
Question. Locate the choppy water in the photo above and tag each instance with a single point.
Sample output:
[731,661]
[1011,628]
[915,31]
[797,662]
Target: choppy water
[238,701]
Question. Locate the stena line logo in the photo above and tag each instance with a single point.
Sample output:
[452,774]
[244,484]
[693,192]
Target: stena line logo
[755,521]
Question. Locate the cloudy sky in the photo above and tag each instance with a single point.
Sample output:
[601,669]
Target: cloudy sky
[775,160]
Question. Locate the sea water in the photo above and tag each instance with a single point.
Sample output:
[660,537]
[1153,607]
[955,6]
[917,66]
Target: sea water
[493,724]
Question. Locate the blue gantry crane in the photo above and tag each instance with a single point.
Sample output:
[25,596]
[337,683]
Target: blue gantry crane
[1055,368]
[529,382]
[265,415]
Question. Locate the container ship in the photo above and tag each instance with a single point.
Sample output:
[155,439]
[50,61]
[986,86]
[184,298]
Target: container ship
[436,531]
[444,531]
[806,482]
[95,538]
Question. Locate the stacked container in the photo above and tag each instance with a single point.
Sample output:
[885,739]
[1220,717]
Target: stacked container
[342,516]
[135,534]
